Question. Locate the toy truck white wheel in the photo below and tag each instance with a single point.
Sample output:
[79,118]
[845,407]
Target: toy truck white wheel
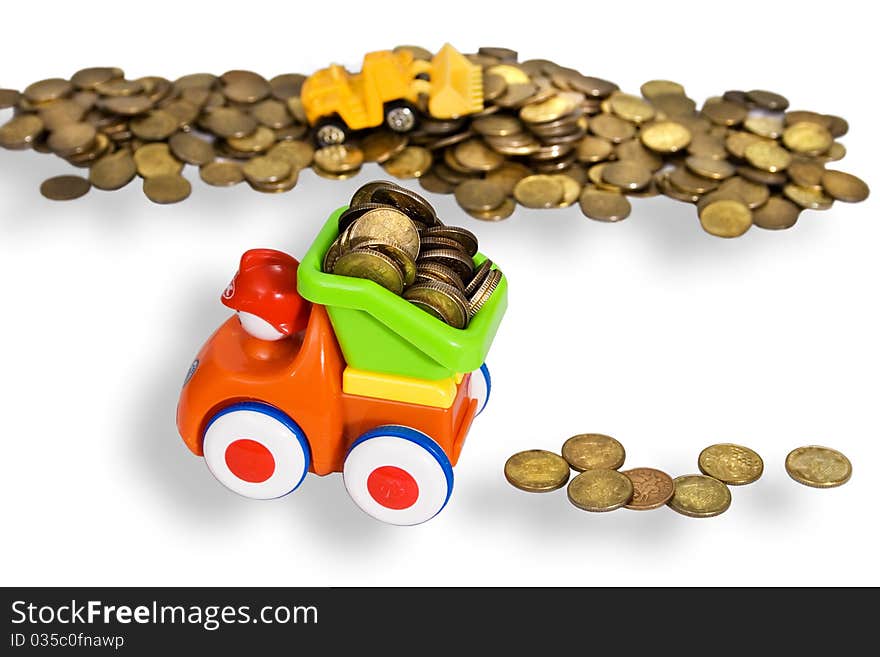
[398,475]
[256,451]
[480,387]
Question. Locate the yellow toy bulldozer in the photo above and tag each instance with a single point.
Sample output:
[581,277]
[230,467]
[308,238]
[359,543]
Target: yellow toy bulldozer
[387,90]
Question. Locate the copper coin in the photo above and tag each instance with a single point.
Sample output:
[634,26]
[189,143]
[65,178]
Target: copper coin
[651,488]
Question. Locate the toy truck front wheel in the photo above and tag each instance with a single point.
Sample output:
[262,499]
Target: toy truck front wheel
[256,451]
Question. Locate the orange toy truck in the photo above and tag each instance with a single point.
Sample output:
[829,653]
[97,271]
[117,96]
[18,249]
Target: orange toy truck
[266,400]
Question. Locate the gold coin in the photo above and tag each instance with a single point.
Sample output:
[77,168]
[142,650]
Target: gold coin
[493,86]
[511,74]
[539,191]
[651,488]
[479,195]
[126,105]
[339,158]
[654,88]
[666,137]
[484,292]
[411,162]
[21,131]
[447,301]
[770,127]
[507,175]
[221,174]
[229,122]
[371,265]
[699,496]
[737,142]
[807,137]
[818,467]
[769,100]
[571,190]
[474,155]
[434,271]
[431,182]
[634,150]
[754,195]
[72,139]
[382,146]
[603,205]
[155,125]
[776,214]
[593,149]
[768,156]
[724,112]
[548,110]
[591,451]
[244,86]
[259,141]
[631,108]
[167,188]
[760,176]
[456,259]
[704,144]
[156,160]
[600,490]
[536,471]
[516,94]
[62,112]
[844,186]
[262,170]
[612,128]
[627,175]
[64,188]
[726,218]
[495,125]
[272,113]
[731,464]
[191,149]
[503,211]
[46,91]
[9,98]
[480,276]
[390,226]
[710,167]
[279,186]
[113,171]
[809,198]
[298,154]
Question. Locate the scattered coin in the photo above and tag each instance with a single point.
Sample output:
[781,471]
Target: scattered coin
[64,188]
[818,467]
[776,214]
[731,464]
[604,205]
[167,188]
[651,488]
[221,174]
[699,496]
[536,471]
[590,451]
[600,490]
[726,218]
[844,186]
[113,171]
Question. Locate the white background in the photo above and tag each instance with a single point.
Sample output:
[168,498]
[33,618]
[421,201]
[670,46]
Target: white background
[649,330]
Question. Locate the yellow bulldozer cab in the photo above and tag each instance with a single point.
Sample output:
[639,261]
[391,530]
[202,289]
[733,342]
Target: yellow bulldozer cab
[454,87]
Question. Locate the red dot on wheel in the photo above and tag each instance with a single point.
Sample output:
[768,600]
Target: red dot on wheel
[249,460]
[392,487]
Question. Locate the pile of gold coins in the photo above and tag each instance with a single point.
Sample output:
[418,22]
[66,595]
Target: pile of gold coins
[548,137]
[600,486]
[393,236]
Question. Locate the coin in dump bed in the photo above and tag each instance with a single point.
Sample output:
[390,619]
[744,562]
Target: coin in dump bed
[818,467]
[113,171]
[726,218]
[331,256]
[844,186]
[382,146]
[776,214]
[480,275]
[732,464]
[465,238]
[352,214]
[600,490]
[666,137]
[484,292]
[408,202]
[191,149]
[446,299]
[590,451]
[371,265]
[479,195]
[21,131]
[434,271]
[221,174]
[536,471]
[401,257]
[699,496]
[411,162]
[167,188]
[460,263]
[651,488]
[64,188]
[389,225]
[539,191]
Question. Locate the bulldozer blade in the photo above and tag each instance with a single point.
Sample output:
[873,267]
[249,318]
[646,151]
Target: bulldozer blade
[456,85]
